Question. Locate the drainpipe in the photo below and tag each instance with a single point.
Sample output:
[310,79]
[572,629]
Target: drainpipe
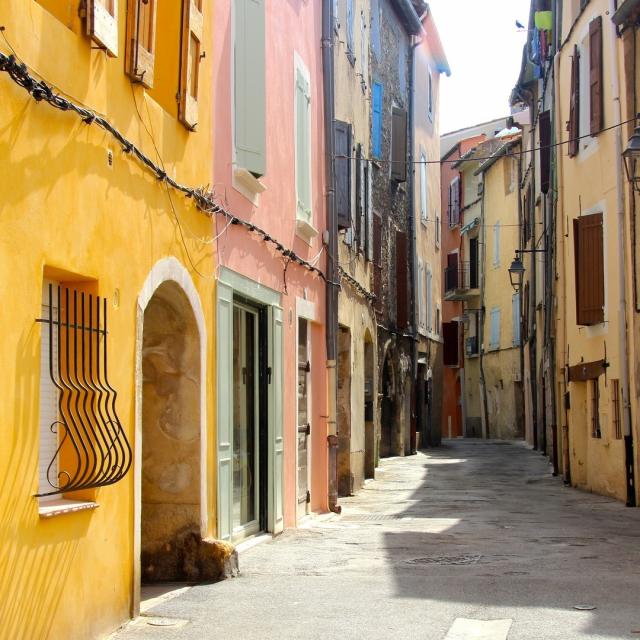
[622,274]
[417,409]
[483,386]
[560,256]
[332,255]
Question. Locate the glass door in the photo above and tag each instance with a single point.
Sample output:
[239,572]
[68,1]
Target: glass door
[245,422]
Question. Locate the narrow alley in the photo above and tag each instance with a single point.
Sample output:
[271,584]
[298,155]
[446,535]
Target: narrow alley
[475,539]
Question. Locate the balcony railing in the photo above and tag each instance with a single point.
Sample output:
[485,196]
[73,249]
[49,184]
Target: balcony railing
[460,278]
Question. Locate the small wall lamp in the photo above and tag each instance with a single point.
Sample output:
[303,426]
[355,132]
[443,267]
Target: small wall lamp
[516,270]
[631,155]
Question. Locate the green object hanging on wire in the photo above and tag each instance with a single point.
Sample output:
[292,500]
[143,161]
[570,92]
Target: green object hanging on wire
[544,20]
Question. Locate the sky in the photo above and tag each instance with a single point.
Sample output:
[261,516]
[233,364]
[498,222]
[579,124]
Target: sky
[484,49]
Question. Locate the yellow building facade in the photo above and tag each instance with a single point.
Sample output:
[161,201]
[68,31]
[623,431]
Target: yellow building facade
[593,356]
[83,210]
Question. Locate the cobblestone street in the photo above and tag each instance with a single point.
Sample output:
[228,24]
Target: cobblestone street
[439,544]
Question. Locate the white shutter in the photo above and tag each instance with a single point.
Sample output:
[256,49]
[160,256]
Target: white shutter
[224,328]
[102,24]
[49,395]
[276,441]
[303,146]
[424,193]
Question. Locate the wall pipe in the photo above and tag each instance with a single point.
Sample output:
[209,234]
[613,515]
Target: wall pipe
[332,255]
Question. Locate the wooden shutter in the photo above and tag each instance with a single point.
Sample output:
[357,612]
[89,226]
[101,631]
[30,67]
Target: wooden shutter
[402,286]
[376,120]
[451,344]
[192,34]
[102,24]
[141,41]
[303,146]
[454,201]
[595,75]
[377,259]
[276,421]
[515,319]
[399,145]
[360,199]
[224,427]
[369,211]
[574,103]
[342,133]
[249,85]
[424,191]
[545,150]
[589,265]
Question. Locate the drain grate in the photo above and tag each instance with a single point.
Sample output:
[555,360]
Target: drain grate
[373,517]
[468,558]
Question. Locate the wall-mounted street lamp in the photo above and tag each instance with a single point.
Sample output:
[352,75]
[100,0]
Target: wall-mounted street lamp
[516,273]
[631,155]
[516,270]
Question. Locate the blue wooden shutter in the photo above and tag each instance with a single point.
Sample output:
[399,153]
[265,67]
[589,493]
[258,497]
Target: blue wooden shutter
[224,329]
[376,120]
[515,308]
[249,83]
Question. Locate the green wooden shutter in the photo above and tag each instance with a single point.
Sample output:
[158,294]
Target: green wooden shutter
[276,440]
[224,329]
[249,79]
[303,146]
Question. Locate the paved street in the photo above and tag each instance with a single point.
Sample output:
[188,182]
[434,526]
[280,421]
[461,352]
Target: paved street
[439,542]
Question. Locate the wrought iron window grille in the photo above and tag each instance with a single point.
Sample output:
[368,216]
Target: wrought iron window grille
[92,447]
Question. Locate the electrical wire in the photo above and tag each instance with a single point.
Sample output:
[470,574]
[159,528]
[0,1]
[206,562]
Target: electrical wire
[42,91]
[491,157]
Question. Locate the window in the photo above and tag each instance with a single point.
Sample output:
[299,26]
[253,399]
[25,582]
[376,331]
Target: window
[350,43]
[595,408]
[595,76]
[141,41]
[496,244]
[102,24]
[436,329]
[424,189]
[574,103]
[191,51]
[249,85]
[399,144]
[376,120]
[375,29]
[363,56]
[515,307]
[342,133]
[422,315]
[615,409]
[473,263]
[454,202]
[303,144]
[451,338]
[430,95]
[494,339]
[589,269]
[82,443]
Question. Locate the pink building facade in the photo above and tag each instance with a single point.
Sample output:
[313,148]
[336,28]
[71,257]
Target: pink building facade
[268,170]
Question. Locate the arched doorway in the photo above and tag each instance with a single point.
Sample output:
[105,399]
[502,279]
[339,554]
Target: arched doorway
[170,438]
[388,410]
[345,477]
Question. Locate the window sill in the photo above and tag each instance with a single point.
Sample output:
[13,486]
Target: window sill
[52,508]
[247,184]
[305,230]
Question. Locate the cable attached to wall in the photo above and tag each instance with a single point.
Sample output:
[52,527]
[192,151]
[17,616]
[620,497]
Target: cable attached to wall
[41,91]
